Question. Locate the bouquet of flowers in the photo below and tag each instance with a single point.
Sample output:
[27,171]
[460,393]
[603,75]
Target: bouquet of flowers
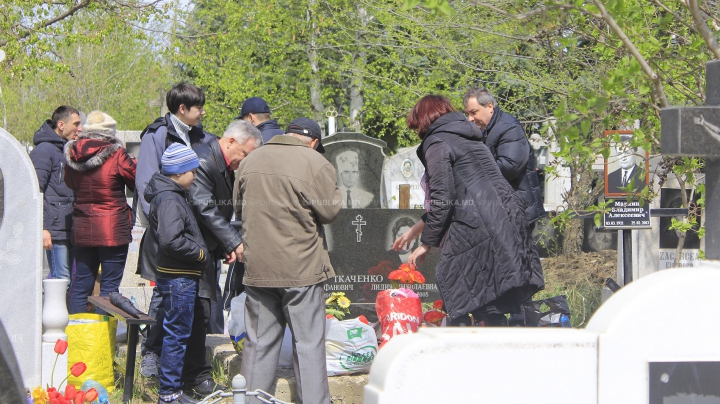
[337,305]
[52,395]
[406,275]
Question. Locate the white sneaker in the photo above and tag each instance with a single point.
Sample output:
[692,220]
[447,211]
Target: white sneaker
[149,365]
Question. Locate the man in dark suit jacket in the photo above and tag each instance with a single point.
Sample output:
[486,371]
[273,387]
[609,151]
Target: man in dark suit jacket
[629,171]
[211,200]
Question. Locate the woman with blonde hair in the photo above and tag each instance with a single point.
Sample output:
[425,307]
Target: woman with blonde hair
[98,169]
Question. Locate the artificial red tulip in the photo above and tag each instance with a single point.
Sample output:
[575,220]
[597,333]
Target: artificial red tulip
[60,347]
[79,397]
[91,395]
[78,368]
[70,392]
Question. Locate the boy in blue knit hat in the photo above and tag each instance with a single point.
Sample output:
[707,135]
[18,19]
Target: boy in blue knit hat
[180,260]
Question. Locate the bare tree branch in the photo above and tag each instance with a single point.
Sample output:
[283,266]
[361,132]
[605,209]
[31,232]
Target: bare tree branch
[703,28]
[42,24]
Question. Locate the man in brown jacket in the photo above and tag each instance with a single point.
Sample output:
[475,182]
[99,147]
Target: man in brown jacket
[285,192]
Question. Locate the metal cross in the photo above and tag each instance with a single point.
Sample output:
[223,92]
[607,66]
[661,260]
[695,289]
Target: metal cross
[359,222]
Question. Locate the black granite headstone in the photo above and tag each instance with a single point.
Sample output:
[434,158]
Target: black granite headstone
[684,382]
[671,198]
[360,251]
[358,160]
[691,131]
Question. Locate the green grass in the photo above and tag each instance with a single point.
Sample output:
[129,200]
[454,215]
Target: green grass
[145,390]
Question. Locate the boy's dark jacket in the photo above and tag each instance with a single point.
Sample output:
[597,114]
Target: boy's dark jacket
[182,250]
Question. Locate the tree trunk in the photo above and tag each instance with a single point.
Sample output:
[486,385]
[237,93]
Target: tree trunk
[681,235]
[315,90]
[359,60]
[579,199]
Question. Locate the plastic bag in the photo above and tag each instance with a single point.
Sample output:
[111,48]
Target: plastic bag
[350,346]
[91,339]
[399,312]
[558,314]
[236,322]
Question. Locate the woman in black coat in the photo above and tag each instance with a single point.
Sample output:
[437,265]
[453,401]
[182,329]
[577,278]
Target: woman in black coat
[488,264]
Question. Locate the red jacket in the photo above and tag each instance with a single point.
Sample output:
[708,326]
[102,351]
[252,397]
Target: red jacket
[98,170]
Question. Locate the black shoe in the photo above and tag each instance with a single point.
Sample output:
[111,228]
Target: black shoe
[183,399]
[204,389]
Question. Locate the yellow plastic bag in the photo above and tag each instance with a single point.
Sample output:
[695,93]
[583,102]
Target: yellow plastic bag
[91,339]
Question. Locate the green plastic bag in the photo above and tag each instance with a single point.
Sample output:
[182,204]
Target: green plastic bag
[91,339]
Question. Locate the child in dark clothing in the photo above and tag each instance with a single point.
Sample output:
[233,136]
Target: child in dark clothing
[181,260]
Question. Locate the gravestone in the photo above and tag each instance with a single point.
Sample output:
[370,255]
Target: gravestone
[360,243]
[404,168]
[633,350]
[668,240]
[358,160]
[21,257]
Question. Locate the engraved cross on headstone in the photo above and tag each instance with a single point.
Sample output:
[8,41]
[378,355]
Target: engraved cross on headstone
[359,222]
[695,131]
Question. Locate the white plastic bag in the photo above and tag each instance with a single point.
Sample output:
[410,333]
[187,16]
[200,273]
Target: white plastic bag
[350,346]
[236,322]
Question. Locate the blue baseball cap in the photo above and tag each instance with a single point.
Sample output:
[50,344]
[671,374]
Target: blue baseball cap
[254,105]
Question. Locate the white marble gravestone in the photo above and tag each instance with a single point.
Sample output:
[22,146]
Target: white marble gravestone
[663,320]
[404,168]
[21,257]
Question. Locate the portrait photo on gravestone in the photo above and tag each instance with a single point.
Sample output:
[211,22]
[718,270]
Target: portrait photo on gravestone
[626,165]
[358,160]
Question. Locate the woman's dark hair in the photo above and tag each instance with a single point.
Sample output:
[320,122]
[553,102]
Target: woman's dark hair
[184,93]
[427,111]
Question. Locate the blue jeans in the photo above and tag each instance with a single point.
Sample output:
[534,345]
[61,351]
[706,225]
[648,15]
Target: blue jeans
[87,264]
[179,303]
[60,260]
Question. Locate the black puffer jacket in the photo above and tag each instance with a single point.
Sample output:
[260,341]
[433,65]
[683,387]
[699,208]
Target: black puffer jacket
[488,262]
[506,139]
[49,161]
[181,248]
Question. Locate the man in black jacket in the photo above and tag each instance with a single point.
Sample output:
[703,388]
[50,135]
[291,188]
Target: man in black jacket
[506,139]
[211,196]
[48,158]
[256,111]
[182,125]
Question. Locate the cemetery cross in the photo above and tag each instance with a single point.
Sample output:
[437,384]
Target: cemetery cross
[695,131]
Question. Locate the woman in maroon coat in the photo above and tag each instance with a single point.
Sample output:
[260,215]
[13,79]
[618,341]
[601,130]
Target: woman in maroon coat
[98,170]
